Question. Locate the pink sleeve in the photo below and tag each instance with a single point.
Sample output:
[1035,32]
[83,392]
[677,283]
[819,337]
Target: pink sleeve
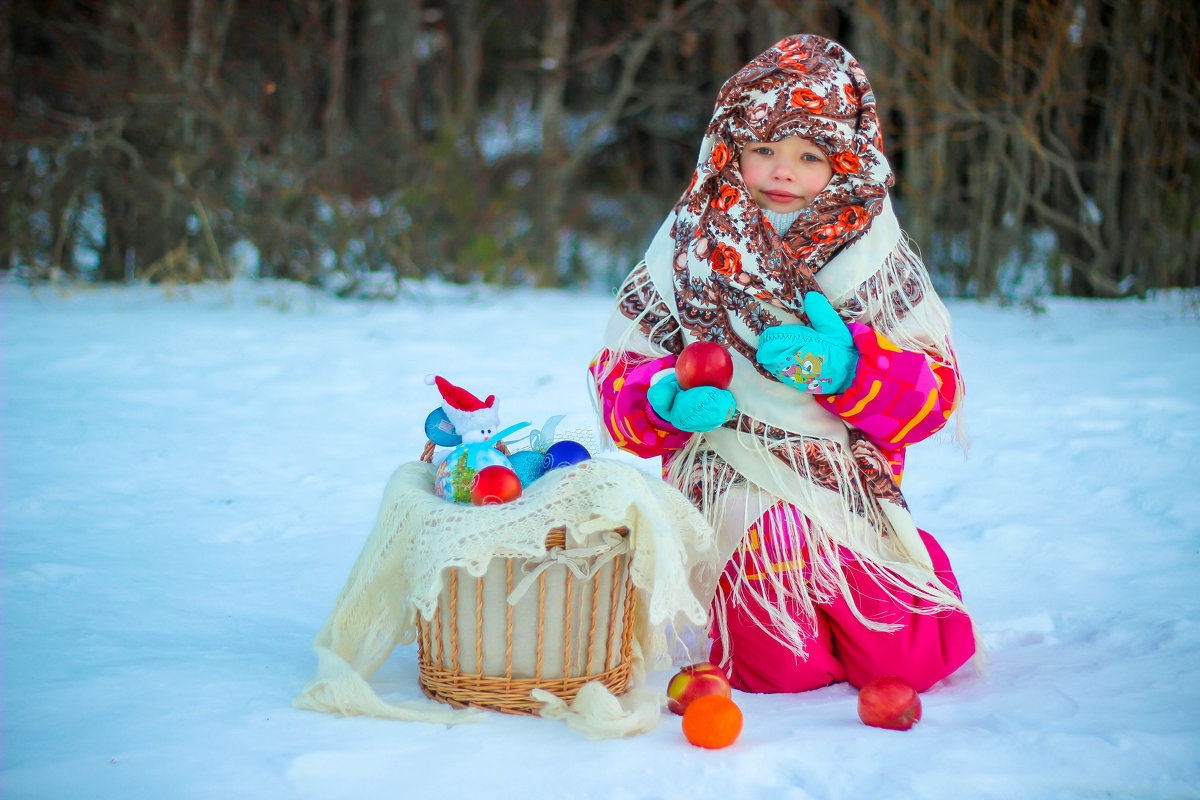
[628,416]
[898,397]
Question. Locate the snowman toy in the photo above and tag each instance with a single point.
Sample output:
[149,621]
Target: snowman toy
[462,418]
[469,426]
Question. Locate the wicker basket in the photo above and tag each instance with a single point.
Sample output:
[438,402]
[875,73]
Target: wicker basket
[563,631]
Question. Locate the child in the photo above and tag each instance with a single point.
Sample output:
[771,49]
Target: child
[797,465]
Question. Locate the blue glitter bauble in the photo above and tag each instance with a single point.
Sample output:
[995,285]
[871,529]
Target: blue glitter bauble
[529,466]
[565,453]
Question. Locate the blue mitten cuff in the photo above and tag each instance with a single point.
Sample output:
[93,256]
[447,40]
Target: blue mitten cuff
[695,410]
[818,359]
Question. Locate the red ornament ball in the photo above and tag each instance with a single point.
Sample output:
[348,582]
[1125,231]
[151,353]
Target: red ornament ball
[704,364]
[494,485]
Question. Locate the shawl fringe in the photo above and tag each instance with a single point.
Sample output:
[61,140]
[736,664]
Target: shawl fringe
[827,535]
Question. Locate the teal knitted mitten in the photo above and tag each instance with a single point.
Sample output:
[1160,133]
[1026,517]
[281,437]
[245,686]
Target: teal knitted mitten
[820,359]
[695,410]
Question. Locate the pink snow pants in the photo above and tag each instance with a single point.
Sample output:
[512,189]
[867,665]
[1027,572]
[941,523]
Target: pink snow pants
[925,649]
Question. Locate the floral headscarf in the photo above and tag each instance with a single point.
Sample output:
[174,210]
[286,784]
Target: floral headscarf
[727,256]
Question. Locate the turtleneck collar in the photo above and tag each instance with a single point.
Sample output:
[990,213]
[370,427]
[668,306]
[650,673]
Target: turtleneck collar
[781,220]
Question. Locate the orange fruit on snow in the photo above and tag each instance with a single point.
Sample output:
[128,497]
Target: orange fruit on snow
[712,721]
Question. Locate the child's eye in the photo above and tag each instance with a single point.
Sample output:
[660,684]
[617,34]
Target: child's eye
[762,151]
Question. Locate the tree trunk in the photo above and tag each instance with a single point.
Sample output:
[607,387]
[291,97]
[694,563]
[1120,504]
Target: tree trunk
[7,78]
[333,118]
[386,117]
[552,179]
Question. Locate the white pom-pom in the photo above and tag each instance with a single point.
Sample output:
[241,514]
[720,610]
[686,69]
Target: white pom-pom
[430,380]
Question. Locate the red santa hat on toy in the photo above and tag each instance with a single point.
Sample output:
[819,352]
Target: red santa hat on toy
[465,411]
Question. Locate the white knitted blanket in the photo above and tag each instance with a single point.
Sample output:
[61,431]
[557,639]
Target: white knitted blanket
[417,536]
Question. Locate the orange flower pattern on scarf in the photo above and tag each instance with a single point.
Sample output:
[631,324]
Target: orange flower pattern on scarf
[725,260]
[720,157]
[725,198]
[807,98]
[844,161]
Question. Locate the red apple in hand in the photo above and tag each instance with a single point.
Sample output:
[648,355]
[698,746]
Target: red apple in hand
[698,680]
[889,702]
[704,364]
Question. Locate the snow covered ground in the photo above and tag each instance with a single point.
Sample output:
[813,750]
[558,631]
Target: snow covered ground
[188,476]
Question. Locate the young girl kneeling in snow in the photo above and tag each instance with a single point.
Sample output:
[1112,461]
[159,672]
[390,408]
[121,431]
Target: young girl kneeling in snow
[797,466]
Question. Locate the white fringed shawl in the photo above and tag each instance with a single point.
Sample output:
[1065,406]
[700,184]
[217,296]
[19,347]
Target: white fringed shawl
[741,471]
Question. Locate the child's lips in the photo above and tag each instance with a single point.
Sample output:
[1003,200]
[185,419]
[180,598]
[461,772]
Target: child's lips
[782,197]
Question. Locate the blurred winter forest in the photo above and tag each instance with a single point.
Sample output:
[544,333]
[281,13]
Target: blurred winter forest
[1040,146]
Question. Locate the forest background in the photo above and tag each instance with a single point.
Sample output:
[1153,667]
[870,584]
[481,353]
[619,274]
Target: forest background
[1040,147]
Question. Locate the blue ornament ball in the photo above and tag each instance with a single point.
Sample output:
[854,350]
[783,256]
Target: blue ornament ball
[529,466]
[454,476]
[439,429]
[565,453]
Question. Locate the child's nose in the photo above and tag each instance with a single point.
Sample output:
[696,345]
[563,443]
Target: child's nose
[784,171]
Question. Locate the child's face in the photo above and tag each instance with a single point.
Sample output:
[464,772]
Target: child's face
[786,175]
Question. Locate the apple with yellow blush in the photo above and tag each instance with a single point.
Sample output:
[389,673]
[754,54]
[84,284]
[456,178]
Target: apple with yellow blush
[697,680]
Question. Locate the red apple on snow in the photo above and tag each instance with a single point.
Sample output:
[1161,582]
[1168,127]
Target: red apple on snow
[889,702]
[704,364]
[695,681]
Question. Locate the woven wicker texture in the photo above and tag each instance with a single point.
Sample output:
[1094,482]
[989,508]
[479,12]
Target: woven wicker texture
[482,651]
